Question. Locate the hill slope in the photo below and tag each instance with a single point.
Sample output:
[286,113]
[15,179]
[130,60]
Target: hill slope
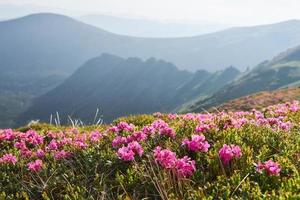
[283,70]
[261,99]
[121,87]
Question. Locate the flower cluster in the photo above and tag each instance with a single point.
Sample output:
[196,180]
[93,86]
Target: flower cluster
[163,128]
[9,159]
[271,168]
[35,166]
[197,143]
[31,145]
[184,167]
[228,152]
[128,152]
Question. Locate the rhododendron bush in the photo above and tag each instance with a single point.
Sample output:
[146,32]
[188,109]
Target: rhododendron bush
[238,155]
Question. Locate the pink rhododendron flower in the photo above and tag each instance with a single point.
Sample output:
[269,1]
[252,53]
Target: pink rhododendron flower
[9,159]
[136,148]
[228,152]
[137,136]
[185,167]
[126,154]
[33,137]
[35,166]
[114,129]
[61,154]
[40,153]
[118,141]
[272,168]
[21,145]
[172,116]
[197,143]
[95,136]
[26,153]
[163,128]
[7,134]
[52,145]
[202,128]
[157,114]
[165,157]
[286,126]
[124,126]
[148,130]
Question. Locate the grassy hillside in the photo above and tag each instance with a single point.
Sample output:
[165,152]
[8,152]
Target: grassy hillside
[241,155]
[261,99]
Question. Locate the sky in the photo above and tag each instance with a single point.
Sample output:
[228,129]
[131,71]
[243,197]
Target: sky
[239,12]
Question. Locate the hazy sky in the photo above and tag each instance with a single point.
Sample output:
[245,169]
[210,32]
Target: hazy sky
[243,12]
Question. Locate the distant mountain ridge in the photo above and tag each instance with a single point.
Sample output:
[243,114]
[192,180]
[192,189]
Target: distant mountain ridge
[54,39]
[121,87]
[150,28]
[282,71]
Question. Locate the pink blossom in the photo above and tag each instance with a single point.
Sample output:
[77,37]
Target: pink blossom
[40,153]
[52,145]
[136,148]
[172,116]
[114,129]
[163,128]
[95,136]
[26,153]
[228,152]
[165,157]
[80,144]
[148,130]
[124,126]
[286,126]
[157,114]
[185,167]
[202,128]
[168,132]
[272,168]
[137,136]
[126,154]
[61,154]
[294,107]
[20,145]
[118,141]
[35,166]
[33,137]
[9,159]
[197,143]
[7,134]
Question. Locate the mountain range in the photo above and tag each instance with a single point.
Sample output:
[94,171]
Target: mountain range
[42,53]
[51,41]
[280,72]
[120,87]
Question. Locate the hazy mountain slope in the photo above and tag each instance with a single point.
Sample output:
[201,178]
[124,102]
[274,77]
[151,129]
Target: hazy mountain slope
[203,84]
[115,85]
[150,28]
[282,71]
[118,87]
[57,42]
